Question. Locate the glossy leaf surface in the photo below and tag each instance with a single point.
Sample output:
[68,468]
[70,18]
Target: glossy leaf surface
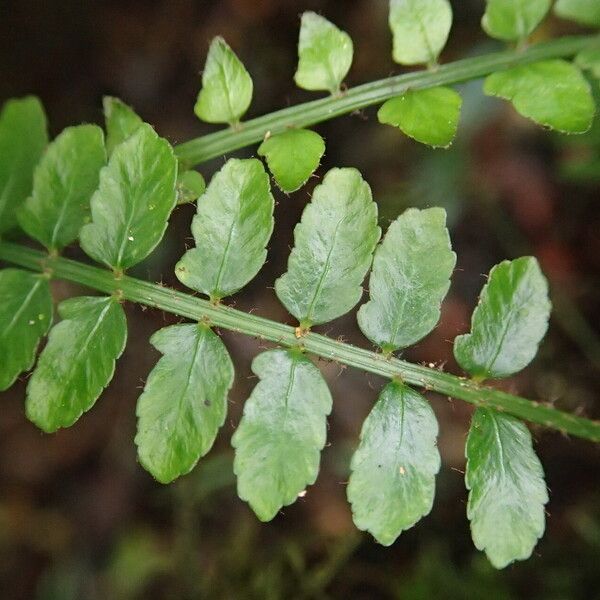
[131,208]
[511,20]
[23,138]
[25,316]
[184,401]
[552,93]
[585,12]
[282,432]
[121,122]
[232,227]
[509,322]
[63,184]
[420,29]
[429,116]
[293,156]
[324,54]
[410,278]
[507,489]
[77,363]
[333,247]
[392,484]
[226,86]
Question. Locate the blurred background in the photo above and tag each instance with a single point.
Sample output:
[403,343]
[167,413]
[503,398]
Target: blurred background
[80,519]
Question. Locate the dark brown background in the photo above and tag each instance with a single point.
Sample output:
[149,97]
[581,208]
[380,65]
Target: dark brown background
[79,518]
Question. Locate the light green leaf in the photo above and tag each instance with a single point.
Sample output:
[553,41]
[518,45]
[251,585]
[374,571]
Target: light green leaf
[184,401]
[63,183]
[226,86]
[507,489]
[25,316]
[232,226]
[333,249]
[121,122]
[410,278]
[420,29]
[429,116]
[77,363]
[552,93]
[585,12]
[589,60]
[509,322]
[23,137]
[131,207]
[324,54]
[190,186]
[392,484]
[292,156]
[511,20]
[282,432]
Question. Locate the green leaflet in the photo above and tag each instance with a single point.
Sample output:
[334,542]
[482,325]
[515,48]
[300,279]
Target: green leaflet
[282,432]
[420,29]
[131,207]
[509,322]
[292,156]
[589,60]
[410,278]
[25,316]
[77,363]
[429,116]
[190,186]
[23,137]
[392,484]
[232,227]
[552,93]
[121,122]
[324,54]
[512,20]
[226,86]
[507,489]
[184,401]
[63,183]
[585,12]
[333,247]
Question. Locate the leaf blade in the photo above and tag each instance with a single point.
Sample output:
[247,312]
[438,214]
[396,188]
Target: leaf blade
[333,247]
[77,363]
[509,321]
[511,20]
[121,122]
[507,489]
[584,12]
[282,432]
[392,484]
[184,402]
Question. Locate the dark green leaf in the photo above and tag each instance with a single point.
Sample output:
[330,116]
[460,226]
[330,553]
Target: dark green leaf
[507,489]
[429,116]
[25,316]
[420,29]
[585,12]
[282,432]
[23,137]
[392,484]
[232,227]
[190,186]
[293,156]
[410,278]
[324,54]
[333,249]
[226,86]
[509,321]
[512,20]
[121,122]
[552,93]
[131,208]
[184,401]
[63,184]
[77,363]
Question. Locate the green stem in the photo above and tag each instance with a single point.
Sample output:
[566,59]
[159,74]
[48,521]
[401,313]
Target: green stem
[216,144]
[198,309]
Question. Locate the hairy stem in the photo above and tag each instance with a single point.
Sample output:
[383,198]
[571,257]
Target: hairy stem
[198,309]
[216,144]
